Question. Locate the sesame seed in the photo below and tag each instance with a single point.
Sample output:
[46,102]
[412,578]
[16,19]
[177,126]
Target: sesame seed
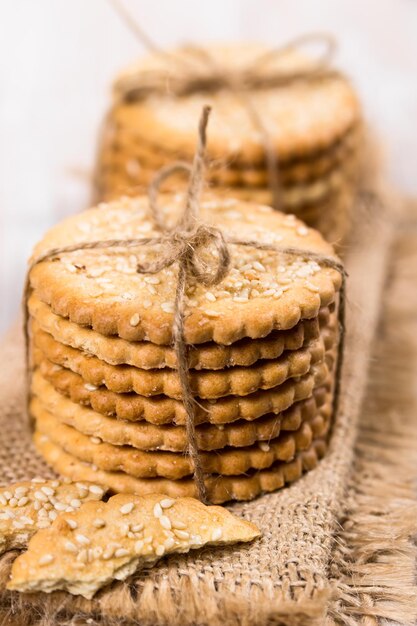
[52,515]
[121,552]
[165,522]
[167,307]
[108,553]
[126,508]
[70,546]
[135,319]
[82,539]
[139,545]
[157,510]
[137,528]
[39,495]
[159,551]
[210,296]
[302,231]
[46,559]
[216,534]
[48,491]
[75,503]
[169,543]
[3,500]
[96,490]
[82,556]
[99,523]
[178,524]
[60,506]
[20,491]
[166,503]
[181,534]
[38,479]
[13,502]
[7,495]
[90,387]
[95,440]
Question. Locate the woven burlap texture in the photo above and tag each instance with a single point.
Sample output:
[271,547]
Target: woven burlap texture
[301,572]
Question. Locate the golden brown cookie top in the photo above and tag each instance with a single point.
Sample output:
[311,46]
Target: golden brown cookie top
[263,291]
[300,117]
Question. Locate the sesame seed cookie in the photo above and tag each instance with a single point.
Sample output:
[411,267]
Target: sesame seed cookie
[124,149]
[164,410]
[220,488]
[291,196]
[147,436]
[107,541]
[27,506]
[205,384]
[172,465]
[147,355]
[117,175]
[262,292]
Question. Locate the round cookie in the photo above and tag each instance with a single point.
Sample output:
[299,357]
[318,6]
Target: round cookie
[147,355]
[172,465]
[220,488]
[146,436]
[163,410]
[122,149]
[262,292]
[205,384]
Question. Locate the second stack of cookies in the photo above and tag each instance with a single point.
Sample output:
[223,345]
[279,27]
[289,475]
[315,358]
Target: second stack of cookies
[106,396]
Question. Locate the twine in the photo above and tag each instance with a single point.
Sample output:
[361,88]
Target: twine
[198,71]
[183,244]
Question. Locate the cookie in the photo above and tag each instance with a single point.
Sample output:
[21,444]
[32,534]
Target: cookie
[146,355]
[163,410]
[27,506]
[262,292]
[146,436]
[300,117]
[118,181]
[107,541]
[291,197]
[205,384]
[126,152]
[143,464]
[220,488]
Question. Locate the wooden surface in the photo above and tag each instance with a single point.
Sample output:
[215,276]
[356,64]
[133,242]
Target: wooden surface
[58,58]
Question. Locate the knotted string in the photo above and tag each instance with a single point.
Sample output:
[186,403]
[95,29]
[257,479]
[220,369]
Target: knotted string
[187,244]
[197,70]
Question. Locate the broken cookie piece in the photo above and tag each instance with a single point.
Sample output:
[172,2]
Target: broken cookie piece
[100,542]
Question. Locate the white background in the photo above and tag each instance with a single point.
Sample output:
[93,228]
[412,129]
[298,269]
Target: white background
[58,57]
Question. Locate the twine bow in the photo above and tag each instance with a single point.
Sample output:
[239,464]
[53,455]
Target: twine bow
[202,254]
[197,70]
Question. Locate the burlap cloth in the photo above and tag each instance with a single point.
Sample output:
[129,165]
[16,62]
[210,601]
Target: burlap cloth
[336,545]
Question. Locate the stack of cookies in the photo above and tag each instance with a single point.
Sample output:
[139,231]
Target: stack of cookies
[106,398]
[313,127]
